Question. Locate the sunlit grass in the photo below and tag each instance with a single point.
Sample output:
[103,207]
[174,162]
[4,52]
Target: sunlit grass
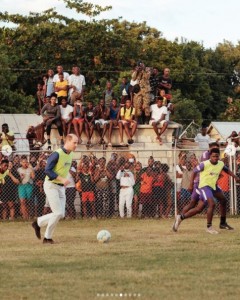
[144,260]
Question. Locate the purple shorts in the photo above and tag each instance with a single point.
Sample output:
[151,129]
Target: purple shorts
[207,192]
[196,193]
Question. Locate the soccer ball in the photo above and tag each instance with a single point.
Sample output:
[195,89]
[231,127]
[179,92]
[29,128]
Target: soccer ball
[103,236]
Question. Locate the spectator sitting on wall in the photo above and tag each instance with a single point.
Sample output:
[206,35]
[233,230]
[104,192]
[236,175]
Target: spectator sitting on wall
[127,114]
[158,117]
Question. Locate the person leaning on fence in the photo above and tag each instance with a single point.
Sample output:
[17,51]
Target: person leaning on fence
[25,188]
[38,191]
[136,188]
[146,193]
[102,188]
[112,168]
[86,181]
[9,192]
[127,122]
[127,182]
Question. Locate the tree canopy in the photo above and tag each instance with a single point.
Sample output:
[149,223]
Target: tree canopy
[203,79]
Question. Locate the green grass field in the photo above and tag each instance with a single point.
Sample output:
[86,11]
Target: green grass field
[144,260]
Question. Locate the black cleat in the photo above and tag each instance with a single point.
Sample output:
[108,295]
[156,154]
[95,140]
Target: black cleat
[48,241]
[37,229]
[226,226]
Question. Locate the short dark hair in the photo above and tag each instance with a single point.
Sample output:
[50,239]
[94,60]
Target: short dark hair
[4,161]
[214,150]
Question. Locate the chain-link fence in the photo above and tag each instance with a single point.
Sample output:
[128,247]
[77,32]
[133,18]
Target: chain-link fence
[107,184]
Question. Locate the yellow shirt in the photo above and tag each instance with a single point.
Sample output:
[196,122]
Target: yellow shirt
[2,176]
[62,84]
[5,140]
[127,113]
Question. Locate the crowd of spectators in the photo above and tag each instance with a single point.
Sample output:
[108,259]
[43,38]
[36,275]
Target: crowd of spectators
[144,99]
[117,187]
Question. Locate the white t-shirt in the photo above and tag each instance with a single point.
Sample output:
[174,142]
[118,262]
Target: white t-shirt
[203,141]
[56,77]
[65,111]
[157,112]
[78,81]
[25,175]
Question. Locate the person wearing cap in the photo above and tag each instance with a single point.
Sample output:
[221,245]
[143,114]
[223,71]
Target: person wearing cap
[158,117]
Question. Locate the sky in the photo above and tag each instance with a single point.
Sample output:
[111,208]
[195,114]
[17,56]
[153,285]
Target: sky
[208,22]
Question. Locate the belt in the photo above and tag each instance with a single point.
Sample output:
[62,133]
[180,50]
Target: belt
[58,184]
[124,187]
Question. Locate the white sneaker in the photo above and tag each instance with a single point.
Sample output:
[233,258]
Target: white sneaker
[211,230]
[177,223]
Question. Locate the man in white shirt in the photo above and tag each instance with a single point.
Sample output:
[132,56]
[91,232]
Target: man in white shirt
[66,116]
[127,182]
[158,116]
[60,71]
[77,85]
[203,139]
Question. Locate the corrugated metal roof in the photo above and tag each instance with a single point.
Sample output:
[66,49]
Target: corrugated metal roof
[225,128]
[19,124]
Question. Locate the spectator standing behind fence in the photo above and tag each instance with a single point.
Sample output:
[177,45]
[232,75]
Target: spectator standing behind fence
[127,114]
[159,195]
[112,168]
[51,115]
[6,136]
[9,192]
[25,188]
[86,180]
[203,139]
[136,188]
[113,119]
[77,85]
[146,193]
[127,182]
[39,196]
[71,191]
[78,119]
[66,116]
[101,179]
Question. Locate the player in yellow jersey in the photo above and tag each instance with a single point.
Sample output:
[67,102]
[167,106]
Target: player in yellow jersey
[209,173]
[57,168]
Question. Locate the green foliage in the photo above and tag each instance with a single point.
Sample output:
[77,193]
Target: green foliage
[105,50]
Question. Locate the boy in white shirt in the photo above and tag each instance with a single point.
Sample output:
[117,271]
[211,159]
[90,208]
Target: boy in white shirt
[158,116]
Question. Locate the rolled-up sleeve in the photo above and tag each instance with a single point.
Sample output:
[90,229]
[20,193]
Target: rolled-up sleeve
[51,162]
